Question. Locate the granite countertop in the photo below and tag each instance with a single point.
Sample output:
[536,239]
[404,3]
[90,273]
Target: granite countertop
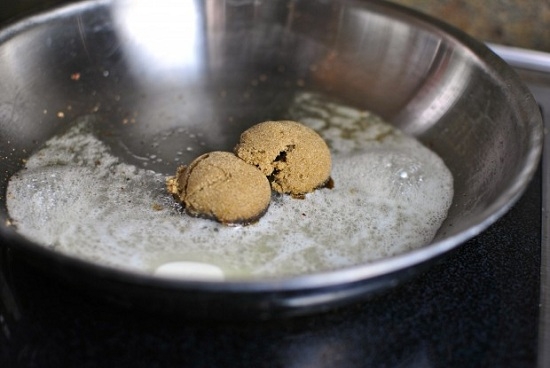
[520,23]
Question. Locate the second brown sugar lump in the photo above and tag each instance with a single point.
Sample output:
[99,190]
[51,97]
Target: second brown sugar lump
[293,156]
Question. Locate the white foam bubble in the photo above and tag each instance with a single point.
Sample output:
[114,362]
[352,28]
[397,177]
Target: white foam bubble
[391,195]
[190,271]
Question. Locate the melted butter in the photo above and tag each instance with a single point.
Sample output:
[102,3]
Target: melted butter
[391,195]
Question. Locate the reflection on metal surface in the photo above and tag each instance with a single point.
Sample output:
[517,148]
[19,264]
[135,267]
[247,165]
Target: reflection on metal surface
[428,106]
[165,36]
[521,58]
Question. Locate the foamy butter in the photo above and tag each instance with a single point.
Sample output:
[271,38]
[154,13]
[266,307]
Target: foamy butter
[391,195]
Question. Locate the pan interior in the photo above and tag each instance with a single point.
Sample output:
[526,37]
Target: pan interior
[212,69]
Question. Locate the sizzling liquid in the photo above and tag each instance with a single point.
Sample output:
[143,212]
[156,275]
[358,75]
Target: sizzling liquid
[391,195]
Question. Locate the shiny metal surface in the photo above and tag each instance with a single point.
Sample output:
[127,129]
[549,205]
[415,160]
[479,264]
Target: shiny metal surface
[216,67]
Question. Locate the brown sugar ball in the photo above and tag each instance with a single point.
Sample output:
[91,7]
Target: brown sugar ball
[293,156]
[221,186]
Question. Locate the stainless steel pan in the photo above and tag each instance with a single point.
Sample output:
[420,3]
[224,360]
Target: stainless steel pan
[142,60]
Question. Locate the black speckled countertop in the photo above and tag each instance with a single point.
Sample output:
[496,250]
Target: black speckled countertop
[477,308]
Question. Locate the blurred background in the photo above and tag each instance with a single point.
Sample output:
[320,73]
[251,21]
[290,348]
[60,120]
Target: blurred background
[520,23]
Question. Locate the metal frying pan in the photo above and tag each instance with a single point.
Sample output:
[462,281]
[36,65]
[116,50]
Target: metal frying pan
[136,60]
